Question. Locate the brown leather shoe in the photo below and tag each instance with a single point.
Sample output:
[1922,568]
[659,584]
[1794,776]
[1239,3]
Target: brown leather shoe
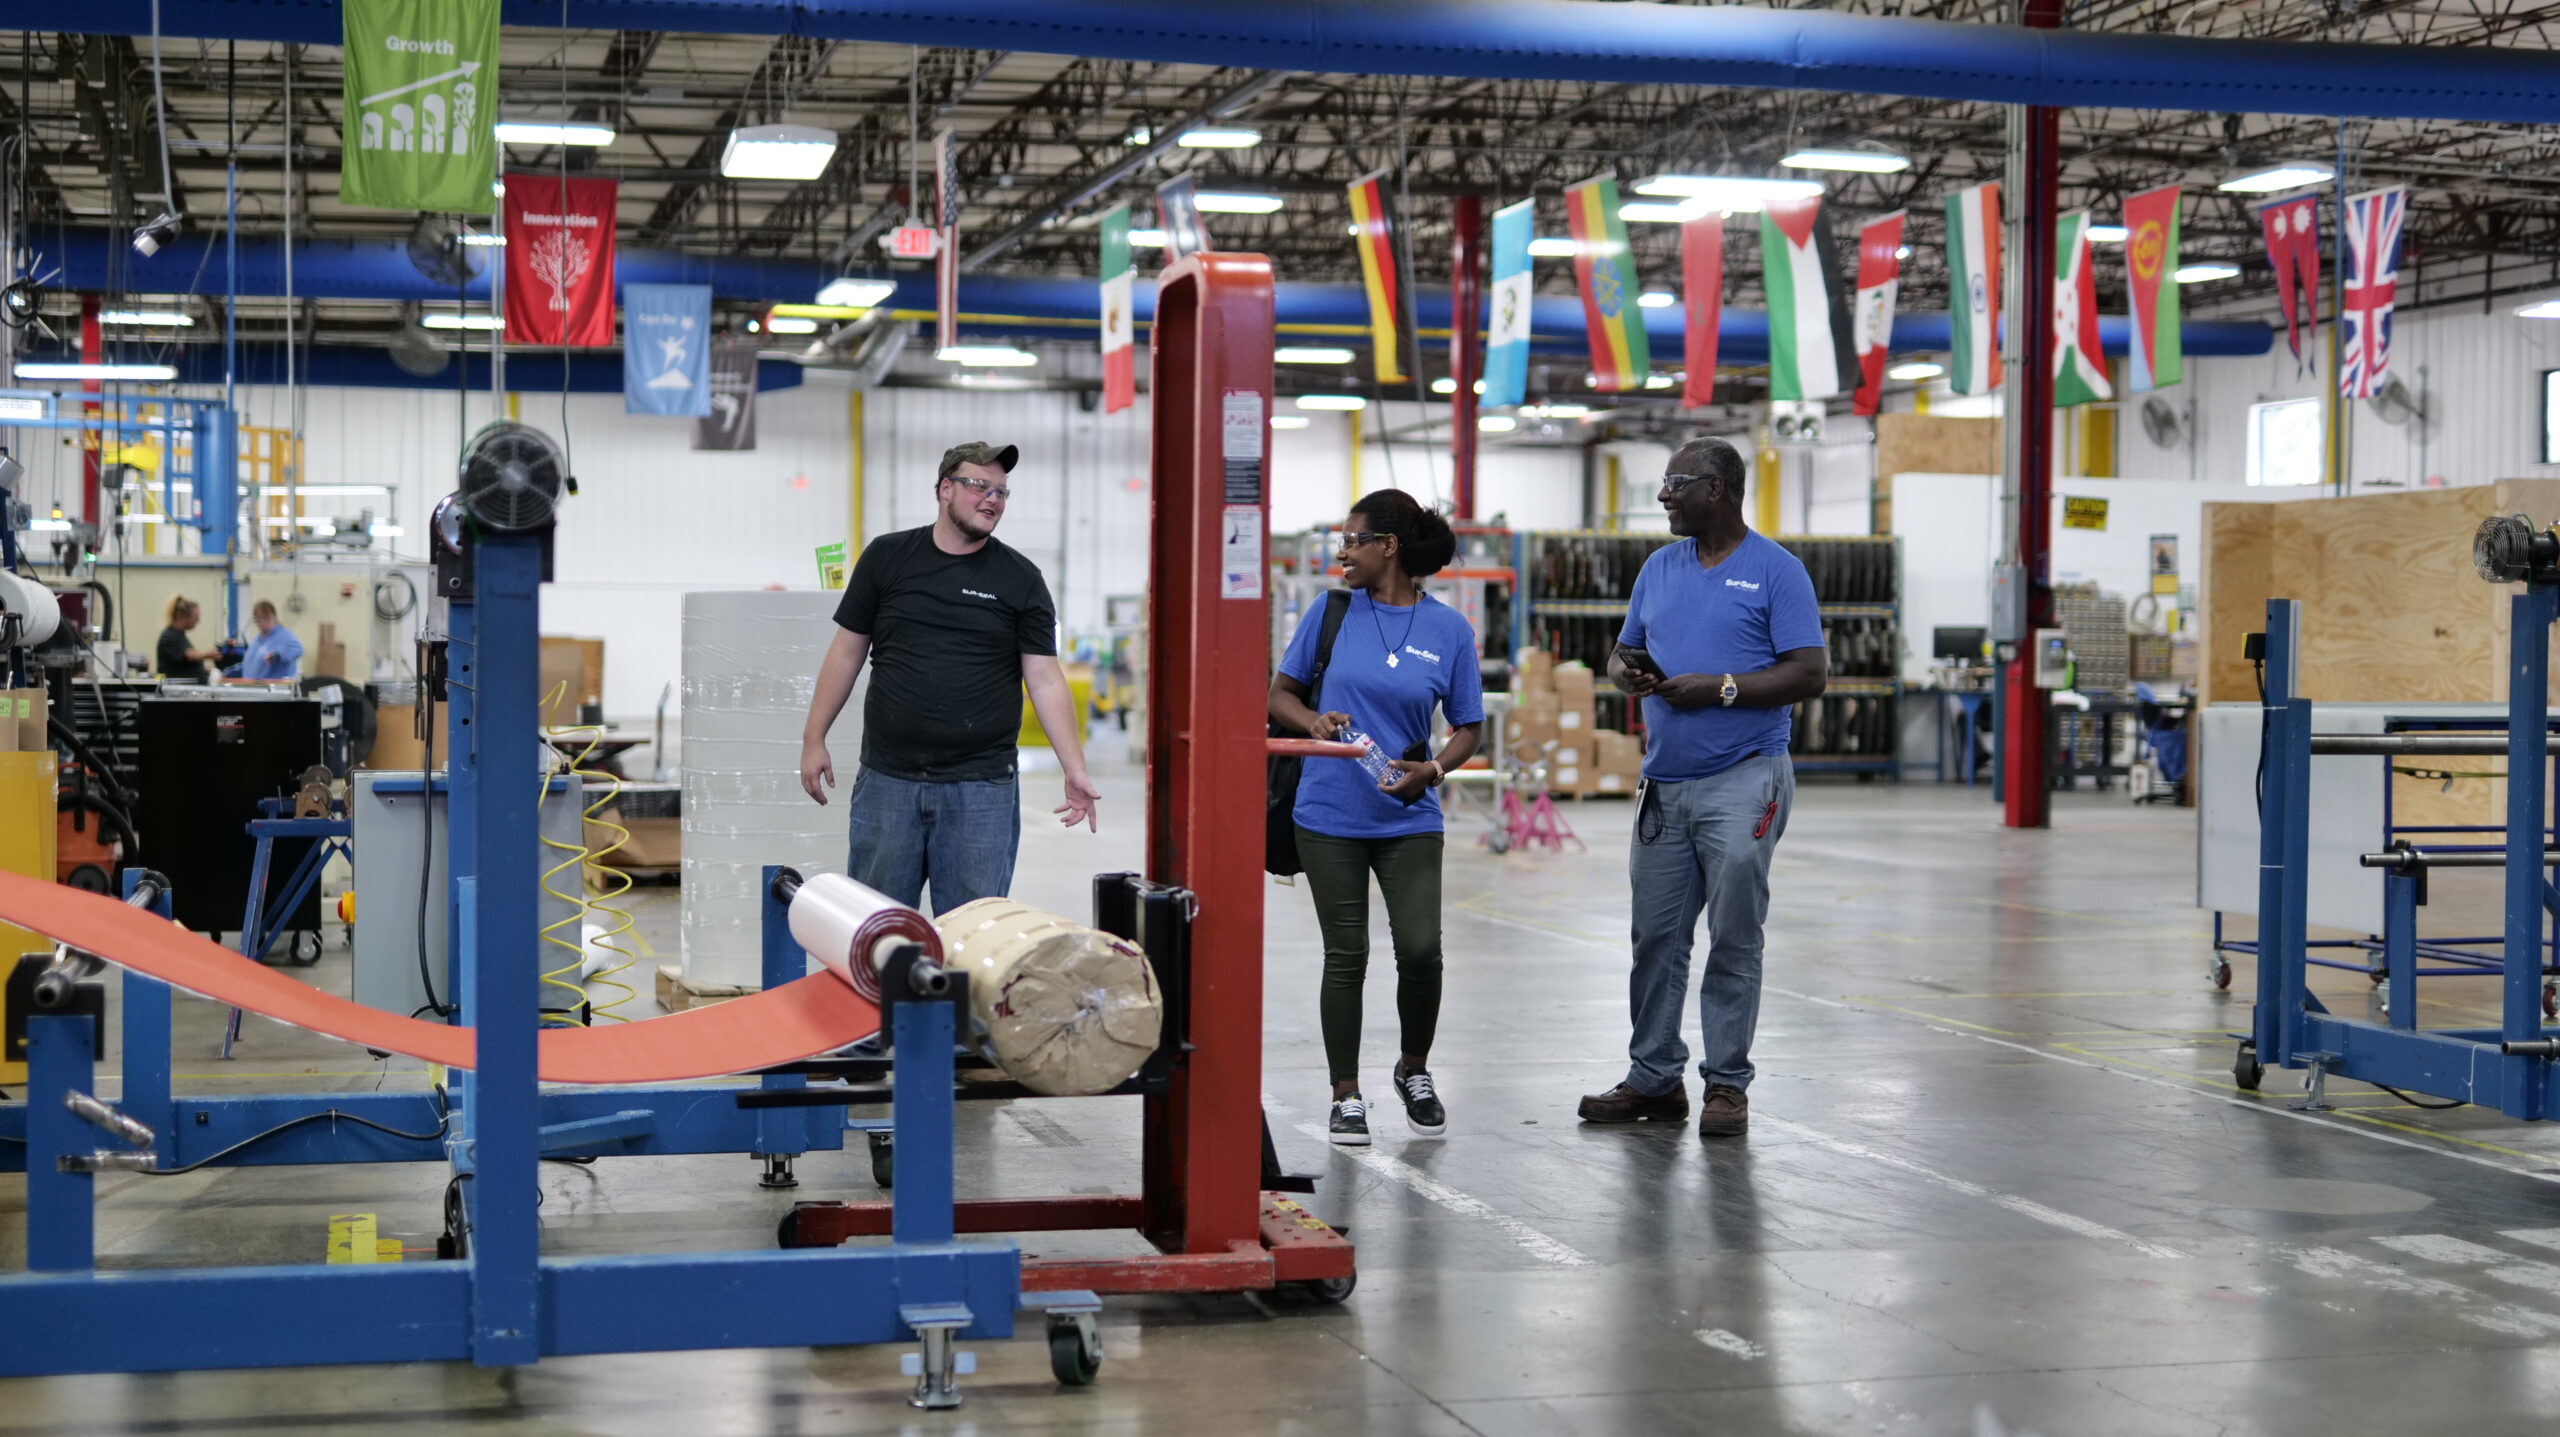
[1623,1104]
[1725,1114]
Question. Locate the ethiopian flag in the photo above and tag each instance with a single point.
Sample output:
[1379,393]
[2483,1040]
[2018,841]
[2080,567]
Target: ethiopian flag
[2151,277]
[1606,269]
[1119,354]
[1373,227]
[2079,367]
[1809,335]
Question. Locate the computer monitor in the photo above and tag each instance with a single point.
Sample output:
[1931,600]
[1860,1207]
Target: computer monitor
[1960,645]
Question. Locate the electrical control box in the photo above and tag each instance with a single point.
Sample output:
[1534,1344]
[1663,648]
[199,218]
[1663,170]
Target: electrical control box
[2053,659]
[2008,603]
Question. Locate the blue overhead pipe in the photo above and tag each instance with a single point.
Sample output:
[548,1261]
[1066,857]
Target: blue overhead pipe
[1539,40]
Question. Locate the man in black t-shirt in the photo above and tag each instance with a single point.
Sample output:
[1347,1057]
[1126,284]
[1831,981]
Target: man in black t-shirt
[956,625]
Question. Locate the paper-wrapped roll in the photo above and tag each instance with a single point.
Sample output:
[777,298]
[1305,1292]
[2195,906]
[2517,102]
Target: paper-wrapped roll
[849,929]
[1065,1009]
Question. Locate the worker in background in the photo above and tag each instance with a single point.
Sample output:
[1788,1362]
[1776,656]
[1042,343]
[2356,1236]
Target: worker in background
[1722,636]
[956,624]
[1397,654]
[178,661]
[274,654]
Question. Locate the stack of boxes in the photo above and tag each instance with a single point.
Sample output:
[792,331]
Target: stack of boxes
[1555,716]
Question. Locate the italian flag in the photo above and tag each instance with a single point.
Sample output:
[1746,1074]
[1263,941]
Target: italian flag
[1973,272]
[1809,336]
[2079,368]
[1119,356]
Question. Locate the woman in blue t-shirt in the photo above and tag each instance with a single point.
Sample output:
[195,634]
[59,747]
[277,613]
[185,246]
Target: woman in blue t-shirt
[1397,655]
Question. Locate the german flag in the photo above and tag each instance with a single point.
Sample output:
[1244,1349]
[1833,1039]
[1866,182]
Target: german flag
[1373,225]
[1606,269]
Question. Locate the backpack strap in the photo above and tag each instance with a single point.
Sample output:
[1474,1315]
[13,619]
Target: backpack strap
[1337,603]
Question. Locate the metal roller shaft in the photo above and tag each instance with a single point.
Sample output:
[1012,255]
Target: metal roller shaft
[2404,860]
[2412,745]
[132,1130]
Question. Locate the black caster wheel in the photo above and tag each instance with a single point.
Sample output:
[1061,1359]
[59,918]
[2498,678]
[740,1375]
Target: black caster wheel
[2245,1068]
[2375,977]
[1328,1291]
[884,1160]
[1075,1357]
[454,1243]
[89,878]
[2220,972]
[786,1233]
[306,949]
[1500,843]
[2550,999]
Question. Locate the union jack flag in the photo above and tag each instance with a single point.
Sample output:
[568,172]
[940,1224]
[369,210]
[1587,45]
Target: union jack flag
[946,224]
[2372,274]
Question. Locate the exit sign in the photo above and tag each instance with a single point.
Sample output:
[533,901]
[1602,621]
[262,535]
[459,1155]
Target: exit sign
[913,242]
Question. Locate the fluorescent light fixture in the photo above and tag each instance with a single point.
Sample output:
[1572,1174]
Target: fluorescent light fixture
[819,311]
[485,241]
[462,321]
[1551,247]
[777,152]
[1655,212]
[1496,424]
[386,531]
[1219,137]
[1146,239]
[2540,309]
[1444,385]
[1918,369]
[1346,403]
[1231,202]
[2211,269]
[1290,421]
[34,369]
[1657,299]
[551,132]
[1139,136]
[49,526]
[333,490]
[1733,194]
[1564,411]
[2290,175]
[988,355]
[857,293]
[1865,162]
[786,324]
[1311,354]
[161,318]
[2106,234]
[1659,381]
[139,519]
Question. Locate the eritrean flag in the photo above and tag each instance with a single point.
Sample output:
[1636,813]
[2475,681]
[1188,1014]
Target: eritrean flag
[1810,356]
[1119,353]
[2151,281]
[1606,269]
[1373,226]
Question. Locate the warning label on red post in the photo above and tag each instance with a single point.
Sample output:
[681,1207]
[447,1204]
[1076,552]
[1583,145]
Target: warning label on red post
[1241,447]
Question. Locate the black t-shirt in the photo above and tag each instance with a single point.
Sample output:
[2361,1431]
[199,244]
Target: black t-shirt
[948,632]
[174,663]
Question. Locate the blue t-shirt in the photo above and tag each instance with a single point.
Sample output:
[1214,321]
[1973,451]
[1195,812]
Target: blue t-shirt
[1735,618]
[1435,655]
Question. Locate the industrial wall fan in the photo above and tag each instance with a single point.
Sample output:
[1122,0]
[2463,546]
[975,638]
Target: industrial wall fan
[436,248]
[413,349]
[2394,404]
[2161,424]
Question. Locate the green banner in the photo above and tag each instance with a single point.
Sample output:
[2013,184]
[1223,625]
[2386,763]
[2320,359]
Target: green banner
[421,101]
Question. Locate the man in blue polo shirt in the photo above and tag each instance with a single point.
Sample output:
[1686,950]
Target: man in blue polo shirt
[1723,636]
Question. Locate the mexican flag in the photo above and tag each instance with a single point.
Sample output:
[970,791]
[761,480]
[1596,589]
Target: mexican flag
[1973,271]
[1119,356]
[1879,281]
[2151,270]
[2079,368]
[1809,334]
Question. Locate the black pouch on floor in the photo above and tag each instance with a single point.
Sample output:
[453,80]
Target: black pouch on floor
[1280,800]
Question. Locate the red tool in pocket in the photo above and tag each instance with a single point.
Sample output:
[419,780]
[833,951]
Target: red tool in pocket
[1760,830]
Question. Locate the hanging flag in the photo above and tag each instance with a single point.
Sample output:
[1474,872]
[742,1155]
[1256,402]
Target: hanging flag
[2151,278]
[559,236]
[946,259]
[2293,247]
[1702,305]
[1119,355]
[1606,269]
[2079,367]
[731,424]
[1373,225]
[666,349]
[1809,337]
[1879,281]
[1973,269]
[1178,213]
[2368,287]
[419,99]
[1506,349]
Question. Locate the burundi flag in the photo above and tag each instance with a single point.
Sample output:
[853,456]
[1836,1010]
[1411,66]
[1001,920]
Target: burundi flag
[1606,269]
[1373,228]
[2151,278]
[1119,356]
[1506,350]
[2079,367]
[1973,272]
[1809,335]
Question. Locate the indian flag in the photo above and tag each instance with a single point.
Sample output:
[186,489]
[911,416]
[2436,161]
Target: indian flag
[1605,265]
[1973,264]
[1119,355]
[2079,367]
[1809,336]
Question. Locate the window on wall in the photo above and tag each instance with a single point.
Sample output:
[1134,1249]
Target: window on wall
[2284,442]
[2551,416]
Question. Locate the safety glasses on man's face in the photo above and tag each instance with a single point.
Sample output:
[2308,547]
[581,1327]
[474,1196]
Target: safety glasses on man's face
[997,492]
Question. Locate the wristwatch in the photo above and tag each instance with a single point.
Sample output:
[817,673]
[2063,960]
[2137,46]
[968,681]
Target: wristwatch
[1730,691]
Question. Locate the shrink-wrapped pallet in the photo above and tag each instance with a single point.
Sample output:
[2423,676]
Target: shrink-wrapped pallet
[1063,1008]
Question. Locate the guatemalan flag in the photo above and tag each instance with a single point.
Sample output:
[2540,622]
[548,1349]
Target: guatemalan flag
[2372,275]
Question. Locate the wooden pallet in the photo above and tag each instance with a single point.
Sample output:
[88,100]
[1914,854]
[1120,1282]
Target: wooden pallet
[676,993]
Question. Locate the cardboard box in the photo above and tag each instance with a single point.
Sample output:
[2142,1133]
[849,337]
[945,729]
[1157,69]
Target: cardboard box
[1530,737]
[578,664]
[1610,782]
[1616,752]
[396,744]
[1570,755]
[654,842]
[328,657]
[1532,671]
[28,711]
[1575,684]
[1579,718]
[1564,780]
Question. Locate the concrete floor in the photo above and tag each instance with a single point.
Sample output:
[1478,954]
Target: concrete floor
[1999,1180]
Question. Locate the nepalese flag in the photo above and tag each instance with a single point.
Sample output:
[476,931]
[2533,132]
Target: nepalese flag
[1605,266]
[1119,353]
[2079,366]
[946,262]
[2293,247]
[1810,356]
[2368,287]
[1373,227]
[1973,273]
[1506,350]
[1879,281]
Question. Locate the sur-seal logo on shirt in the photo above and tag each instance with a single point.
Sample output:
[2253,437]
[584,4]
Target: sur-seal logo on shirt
[1425,654]
[974,594]
[1742,584]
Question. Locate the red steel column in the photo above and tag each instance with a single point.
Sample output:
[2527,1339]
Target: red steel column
[93,350]
[1466,349]
[2026,782]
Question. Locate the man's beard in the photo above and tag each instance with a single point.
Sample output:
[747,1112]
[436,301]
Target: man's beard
[969,523]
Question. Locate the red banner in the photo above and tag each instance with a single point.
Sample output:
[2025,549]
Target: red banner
[1879,281]
[1702,301]
[2293,247]
[559,260]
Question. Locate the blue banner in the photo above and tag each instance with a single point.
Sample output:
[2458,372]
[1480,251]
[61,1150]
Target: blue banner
[666,349]
[1506,350]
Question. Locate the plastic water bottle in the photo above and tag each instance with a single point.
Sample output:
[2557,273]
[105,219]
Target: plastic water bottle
[1372,760]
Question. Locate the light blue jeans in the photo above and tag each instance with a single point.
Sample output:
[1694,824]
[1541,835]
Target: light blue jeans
[962,837]
[1703,845]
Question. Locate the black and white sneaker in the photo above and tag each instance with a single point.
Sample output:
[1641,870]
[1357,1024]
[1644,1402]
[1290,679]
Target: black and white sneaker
[1422,1108]
[1350,1125]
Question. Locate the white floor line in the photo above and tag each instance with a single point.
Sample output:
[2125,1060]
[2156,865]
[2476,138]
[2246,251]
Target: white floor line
[2025,1207]
[2499,1317]
[1531,1241]
[2537,1236]
[2435,1247]
[1732,1344]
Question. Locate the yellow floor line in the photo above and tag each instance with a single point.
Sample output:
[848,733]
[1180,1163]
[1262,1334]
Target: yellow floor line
[2119,993]
[1941,1018]
[352,1238]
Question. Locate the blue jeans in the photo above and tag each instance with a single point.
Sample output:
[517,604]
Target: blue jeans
[960,836]
[1710,844]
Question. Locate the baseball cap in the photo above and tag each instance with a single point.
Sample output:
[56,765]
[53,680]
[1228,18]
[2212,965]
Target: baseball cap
[977,451]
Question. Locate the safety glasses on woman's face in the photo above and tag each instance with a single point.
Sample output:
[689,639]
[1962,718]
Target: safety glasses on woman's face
[1353,539]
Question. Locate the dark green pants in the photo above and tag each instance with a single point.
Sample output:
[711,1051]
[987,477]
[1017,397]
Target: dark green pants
[1408,872]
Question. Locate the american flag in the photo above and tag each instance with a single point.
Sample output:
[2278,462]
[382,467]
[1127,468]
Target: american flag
[946,224]
[2370,278]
